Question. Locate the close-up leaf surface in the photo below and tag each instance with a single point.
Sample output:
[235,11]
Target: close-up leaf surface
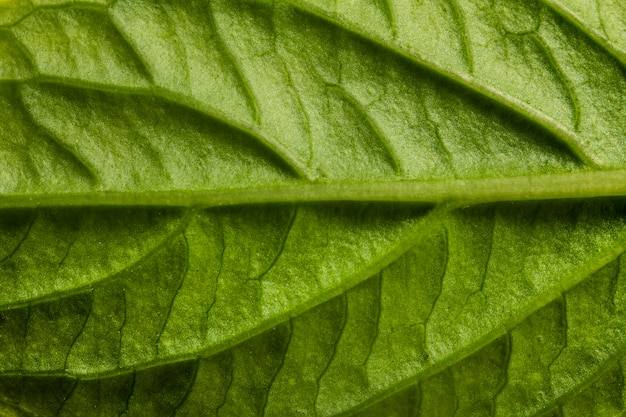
[312,207]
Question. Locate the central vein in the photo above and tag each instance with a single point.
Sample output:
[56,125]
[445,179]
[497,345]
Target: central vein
[542,187]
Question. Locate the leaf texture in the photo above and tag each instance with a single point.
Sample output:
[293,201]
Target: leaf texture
[321,208]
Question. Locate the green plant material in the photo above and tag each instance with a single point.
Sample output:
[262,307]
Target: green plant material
[317,208]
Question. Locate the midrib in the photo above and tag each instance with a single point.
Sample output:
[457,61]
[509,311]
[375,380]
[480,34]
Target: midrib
[463,191]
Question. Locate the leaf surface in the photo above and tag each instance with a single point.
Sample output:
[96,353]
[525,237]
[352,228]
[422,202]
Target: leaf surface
[304,207]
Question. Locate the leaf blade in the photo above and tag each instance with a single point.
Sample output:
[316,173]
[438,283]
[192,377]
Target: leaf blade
[312,104]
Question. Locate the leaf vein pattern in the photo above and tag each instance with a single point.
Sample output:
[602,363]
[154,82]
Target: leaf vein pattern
[600,39]
[377,315]
[184,221]
[80,331]
[66,254]
[386,7]
[418,396]
[283,242]
[356,105]
[188,102]
[192,382]
[24,50]
[67,397]
[77,5]
[459,17]
[284,154]
[344,321]
[231,380]
[565,331]
[280,366]
[441,140]
[598,5]
[24,16]
[68,151]
[508,347]
[441,281]
[614,358]
[71,56]
[130,394]
[120,330]
[119,28]
[217,278]
[180,44]
[156,157]
[345,317]
[393,48]
[466,81]
[296,95]
[567,84]
[454,394]
[14,410]
[22,240]
[485,273]
[183,275]
[236,66]
[614,280]
[492,237]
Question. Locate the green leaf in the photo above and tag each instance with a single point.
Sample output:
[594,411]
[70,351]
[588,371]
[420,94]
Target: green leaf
[323,208]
